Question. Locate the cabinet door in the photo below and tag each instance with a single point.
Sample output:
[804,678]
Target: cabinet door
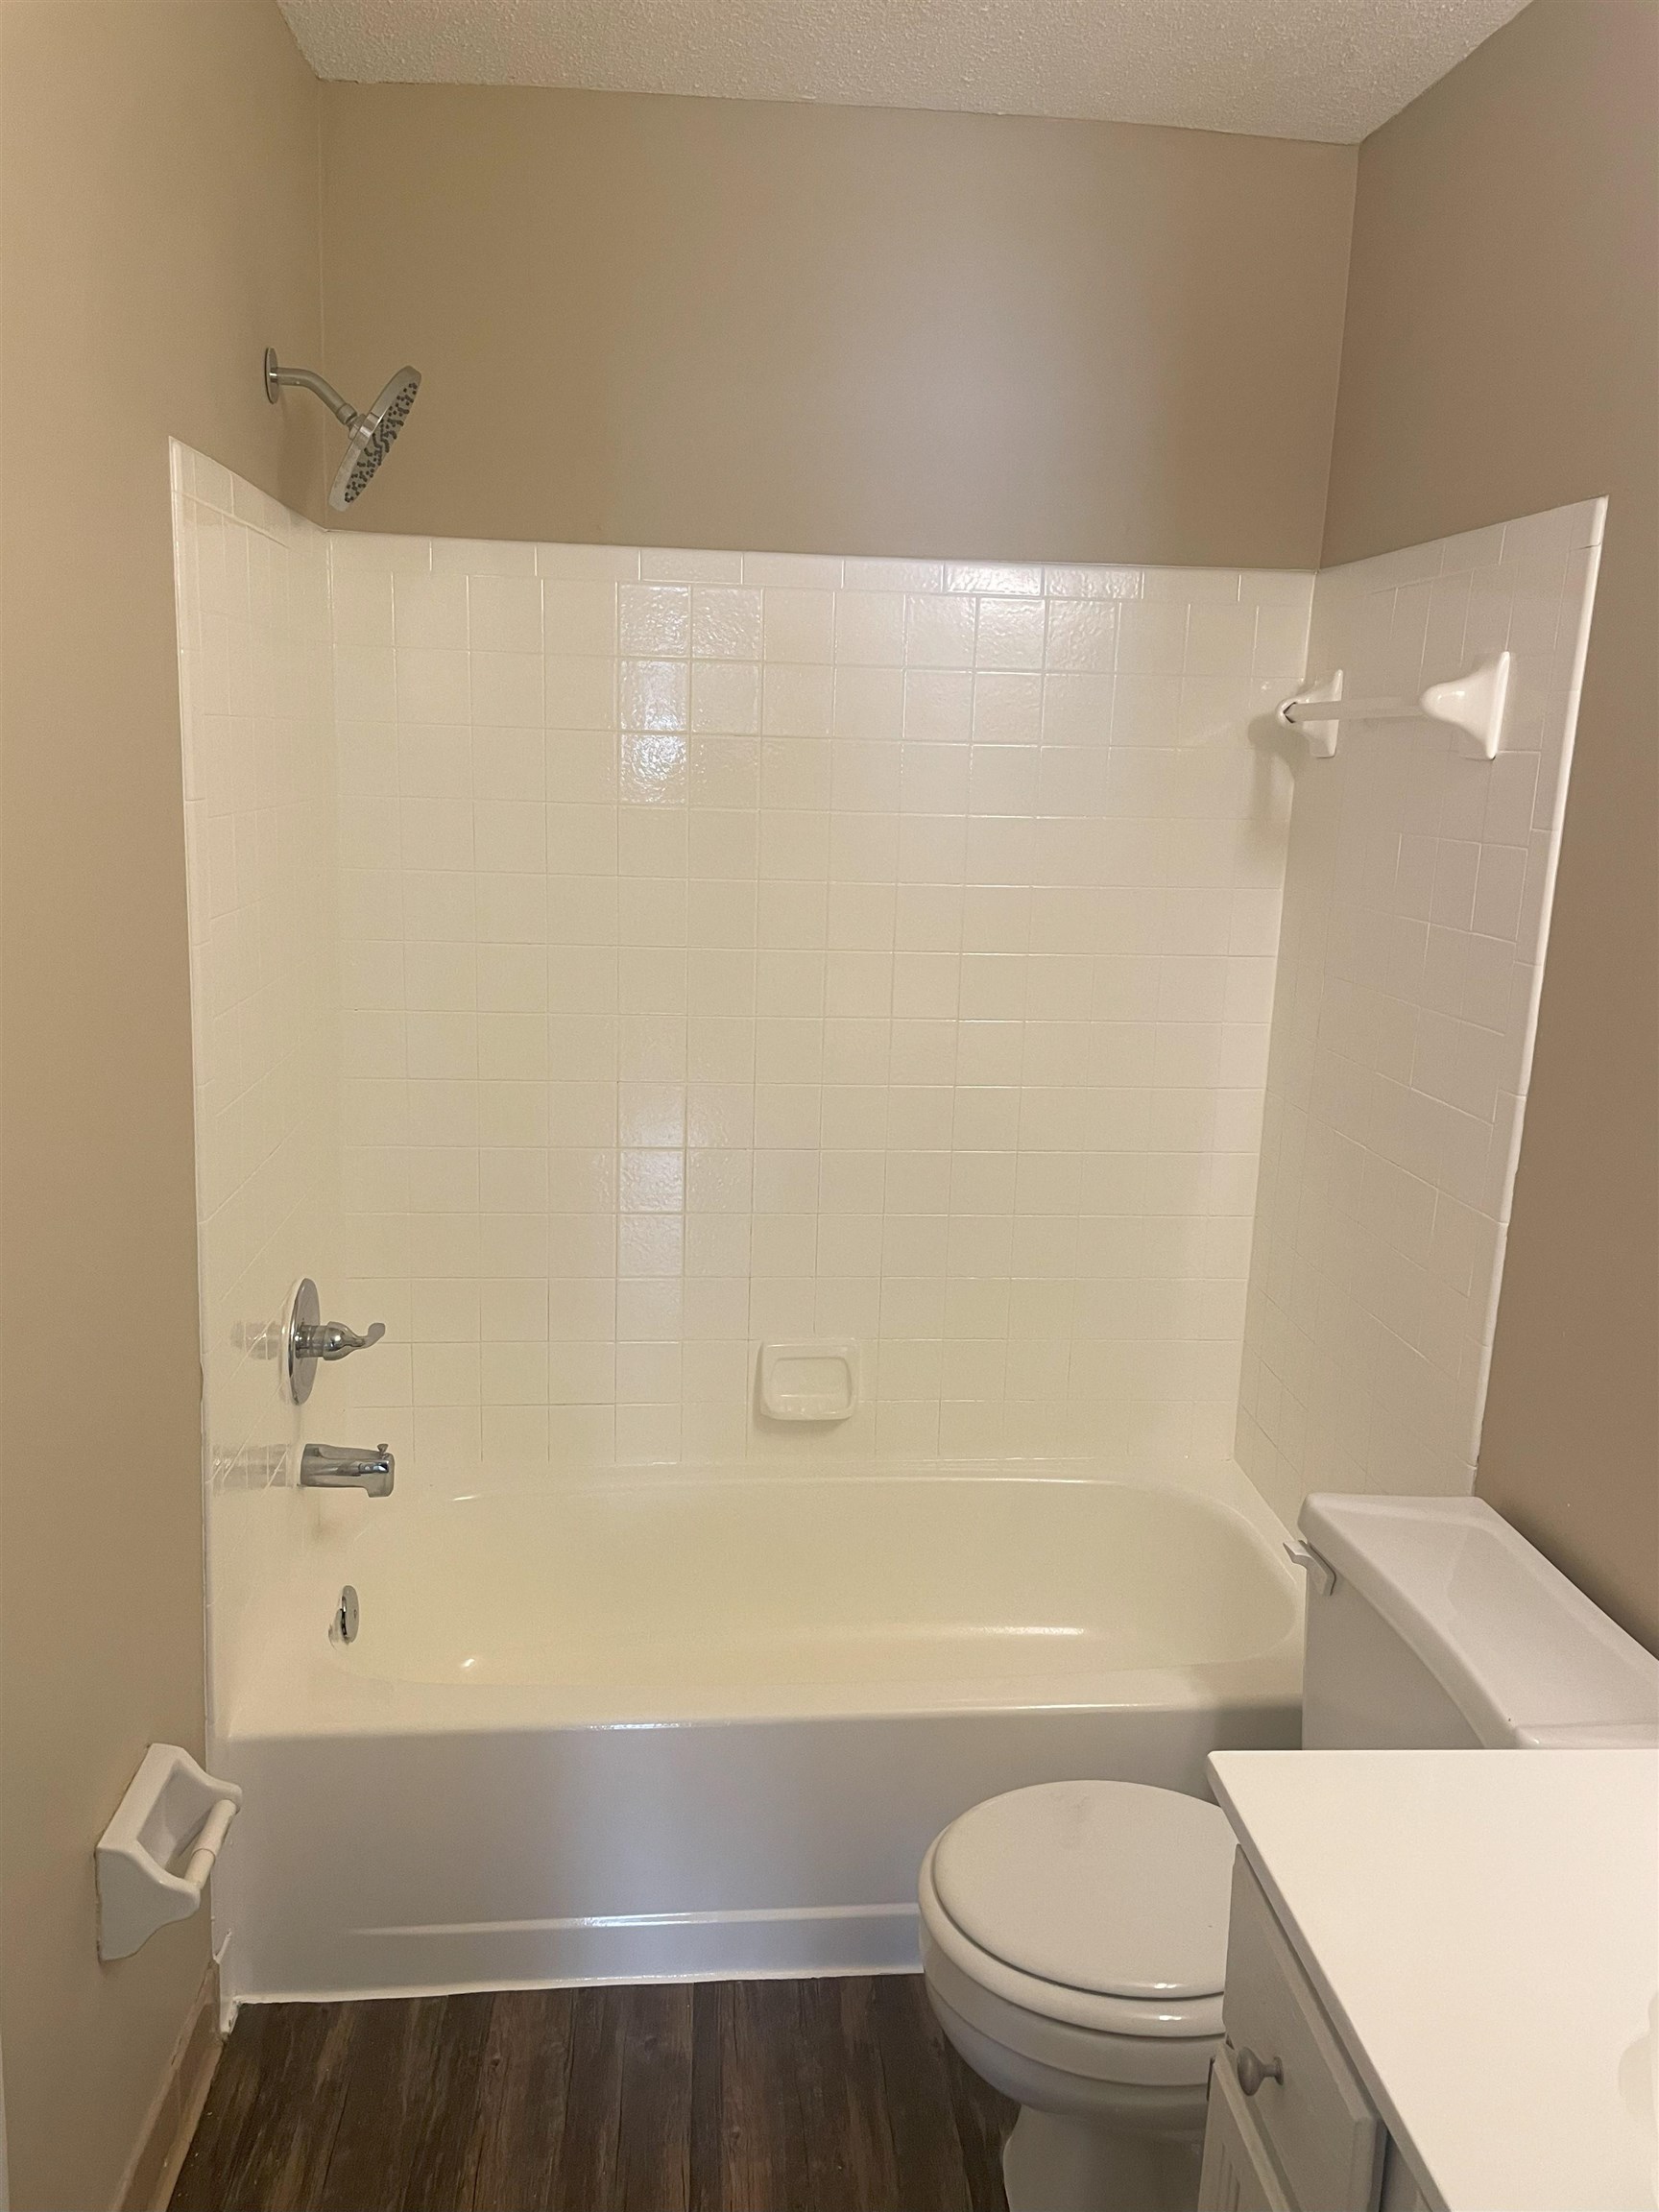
[1239,2173]
[1399,2190]
[1311,2111]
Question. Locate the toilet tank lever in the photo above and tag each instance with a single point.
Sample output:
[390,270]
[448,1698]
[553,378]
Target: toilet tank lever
[1321,1577]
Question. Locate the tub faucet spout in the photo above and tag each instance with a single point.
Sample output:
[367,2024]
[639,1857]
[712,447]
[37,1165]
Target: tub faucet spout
[338,1467]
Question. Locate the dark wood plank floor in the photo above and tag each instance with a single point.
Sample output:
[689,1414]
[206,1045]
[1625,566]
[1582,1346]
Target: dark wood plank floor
[824,2095]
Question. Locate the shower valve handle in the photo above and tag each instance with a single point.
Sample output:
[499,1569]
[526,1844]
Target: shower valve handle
[307,1339]
[333,1340]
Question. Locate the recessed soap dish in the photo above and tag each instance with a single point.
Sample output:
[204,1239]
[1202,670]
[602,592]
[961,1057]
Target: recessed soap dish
[816,1380]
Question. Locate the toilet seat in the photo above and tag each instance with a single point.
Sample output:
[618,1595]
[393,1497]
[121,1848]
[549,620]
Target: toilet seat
[1110,2050]
[1102,1904]
[1127,2021]
[1111,1887]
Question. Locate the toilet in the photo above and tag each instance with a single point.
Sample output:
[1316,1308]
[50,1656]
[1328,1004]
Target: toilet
[1075,1934]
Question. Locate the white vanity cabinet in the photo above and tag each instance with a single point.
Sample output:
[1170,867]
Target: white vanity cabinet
[1440,1990]
[1290,2127]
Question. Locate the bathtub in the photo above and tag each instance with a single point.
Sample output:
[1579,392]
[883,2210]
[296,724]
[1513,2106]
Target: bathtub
[705,1722]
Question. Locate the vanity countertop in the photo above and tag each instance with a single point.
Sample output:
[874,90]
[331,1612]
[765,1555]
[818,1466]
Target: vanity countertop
[1483,1929]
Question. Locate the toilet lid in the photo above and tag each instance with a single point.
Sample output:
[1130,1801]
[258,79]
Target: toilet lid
[1108,1886]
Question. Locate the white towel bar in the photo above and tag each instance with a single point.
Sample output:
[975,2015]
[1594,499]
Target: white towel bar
[1472,704]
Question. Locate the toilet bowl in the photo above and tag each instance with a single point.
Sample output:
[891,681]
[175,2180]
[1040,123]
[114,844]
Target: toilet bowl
[1074,1942]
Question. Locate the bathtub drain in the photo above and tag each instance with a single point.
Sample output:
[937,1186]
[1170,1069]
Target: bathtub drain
[346,1615]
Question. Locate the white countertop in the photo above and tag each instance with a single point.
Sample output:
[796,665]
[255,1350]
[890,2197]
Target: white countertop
[1483,1929]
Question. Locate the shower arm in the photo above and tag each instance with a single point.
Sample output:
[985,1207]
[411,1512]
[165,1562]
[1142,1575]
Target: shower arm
[308,380]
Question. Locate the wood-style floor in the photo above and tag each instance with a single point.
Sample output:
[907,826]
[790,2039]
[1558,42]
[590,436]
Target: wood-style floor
[822,2095]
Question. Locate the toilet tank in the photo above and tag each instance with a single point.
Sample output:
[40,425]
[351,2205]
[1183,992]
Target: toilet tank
[1444,1628]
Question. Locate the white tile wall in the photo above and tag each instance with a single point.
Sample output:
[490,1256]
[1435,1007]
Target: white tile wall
[643,954]
[1417,905]
[742,946]
[258,746]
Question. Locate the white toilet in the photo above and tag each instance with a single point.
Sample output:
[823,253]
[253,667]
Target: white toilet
[1075,1934]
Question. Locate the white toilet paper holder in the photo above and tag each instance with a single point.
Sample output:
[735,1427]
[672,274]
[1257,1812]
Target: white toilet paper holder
[154,1859]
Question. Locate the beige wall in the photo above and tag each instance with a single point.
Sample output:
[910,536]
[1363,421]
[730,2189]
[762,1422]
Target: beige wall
[159,226]
[1500,357]
[837,329]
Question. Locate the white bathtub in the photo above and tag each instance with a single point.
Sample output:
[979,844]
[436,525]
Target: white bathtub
[705,1722]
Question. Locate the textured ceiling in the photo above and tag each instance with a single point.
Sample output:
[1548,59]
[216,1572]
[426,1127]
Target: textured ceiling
[1332,69]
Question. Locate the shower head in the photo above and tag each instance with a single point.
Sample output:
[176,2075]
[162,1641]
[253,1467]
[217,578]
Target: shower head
[369,433]
[372,435]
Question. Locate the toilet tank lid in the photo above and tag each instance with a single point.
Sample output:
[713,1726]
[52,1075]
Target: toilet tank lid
[1525,1655]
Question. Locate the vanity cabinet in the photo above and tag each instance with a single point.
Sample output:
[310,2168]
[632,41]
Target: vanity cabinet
[1439,1967]
[1290,2127]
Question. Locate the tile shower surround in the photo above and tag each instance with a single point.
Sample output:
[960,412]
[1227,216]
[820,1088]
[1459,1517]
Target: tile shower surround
[742,947]
[757,946]
[1416,908]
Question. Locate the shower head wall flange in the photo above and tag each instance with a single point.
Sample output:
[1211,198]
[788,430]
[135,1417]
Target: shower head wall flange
[371,432]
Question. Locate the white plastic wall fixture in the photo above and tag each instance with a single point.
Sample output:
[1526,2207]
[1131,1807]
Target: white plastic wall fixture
[154,1859]
[813,1381]
[1473,706]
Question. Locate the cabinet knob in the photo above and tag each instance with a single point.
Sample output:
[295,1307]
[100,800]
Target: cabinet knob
[1252,2070]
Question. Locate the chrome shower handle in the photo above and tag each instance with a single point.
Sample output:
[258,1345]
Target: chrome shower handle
[307,1339]
[333,1340]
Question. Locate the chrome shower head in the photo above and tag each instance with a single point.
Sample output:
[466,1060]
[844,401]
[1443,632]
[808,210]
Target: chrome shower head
[369,433]
[372,435]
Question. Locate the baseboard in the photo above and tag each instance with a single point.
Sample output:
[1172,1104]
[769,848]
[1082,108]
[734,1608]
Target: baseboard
[178,2107]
